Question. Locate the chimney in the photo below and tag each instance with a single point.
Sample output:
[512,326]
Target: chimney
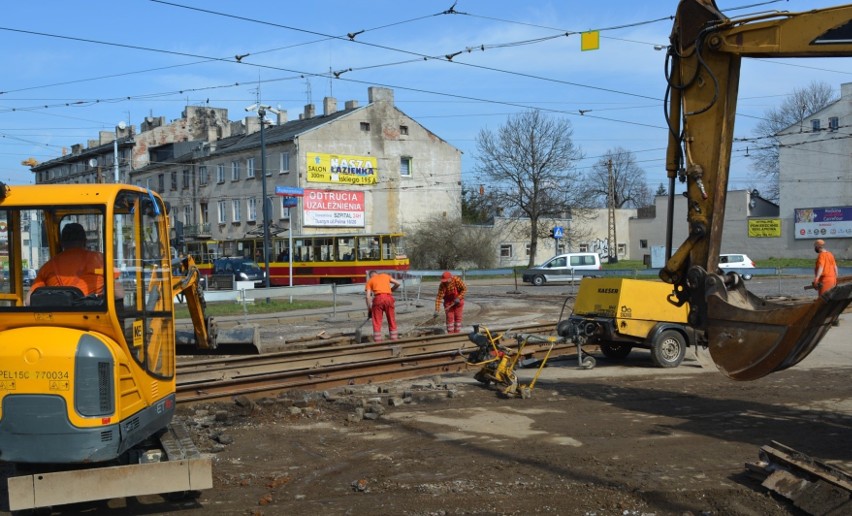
[351,104]
[252,124]
[376,94]
[329,106]
[93,143]
[105,137]
[77,148]
[282,117]
[310,111]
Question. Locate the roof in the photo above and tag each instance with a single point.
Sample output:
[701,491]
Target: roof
[271,135]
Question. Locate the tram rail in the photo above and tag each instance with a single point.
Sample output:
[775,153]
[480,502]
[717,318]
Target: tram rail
[338,366]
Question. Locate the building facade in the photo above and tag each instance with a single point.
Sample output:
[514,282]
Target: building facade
[586,233]
[815,181]
[360,169]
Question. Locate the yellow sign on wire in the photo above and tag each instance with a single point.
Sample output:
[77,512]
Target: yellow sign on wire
[590,40]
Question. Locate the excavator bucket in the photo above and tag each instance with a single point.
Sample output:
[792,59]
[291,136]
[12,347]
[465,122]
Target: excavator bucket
[749,337]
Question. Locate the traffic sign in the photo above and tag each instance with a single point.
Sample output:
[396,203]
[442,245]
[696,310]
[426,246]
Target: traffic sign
[289,191]
[558,232]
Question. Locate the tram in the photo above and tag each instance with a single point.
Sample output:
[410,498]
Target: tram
[315,259]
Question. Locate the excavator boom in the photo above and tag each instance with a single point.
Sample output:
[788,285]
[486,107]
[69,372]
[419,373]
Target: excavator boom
[747,337]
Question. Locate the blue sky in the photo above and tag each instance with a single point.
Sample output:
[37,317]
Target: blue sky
[154,58]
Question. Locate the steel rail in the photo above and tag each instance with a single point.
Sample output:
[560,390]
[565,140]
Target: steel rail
[424,363]
[243,366]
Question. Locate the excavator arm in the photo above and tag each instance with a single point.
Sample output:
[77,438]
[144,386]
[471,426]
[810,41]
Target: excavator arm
[187,283]
[747,337]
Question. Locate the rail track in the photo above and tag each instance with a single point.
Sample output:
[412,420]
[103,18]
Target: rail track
[319,368]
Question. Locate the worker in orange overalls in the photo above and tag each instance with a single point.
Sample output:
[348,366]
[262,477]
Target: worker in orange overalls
[75,266]
[379,292]
[825,269]
[451,291]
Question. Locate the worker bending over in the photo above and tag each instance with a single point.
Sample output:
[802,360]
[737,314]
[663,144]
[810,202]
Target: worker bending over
[451,291]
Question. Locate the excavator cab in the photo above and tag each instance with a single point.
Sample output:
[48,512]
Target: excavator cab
[747,337]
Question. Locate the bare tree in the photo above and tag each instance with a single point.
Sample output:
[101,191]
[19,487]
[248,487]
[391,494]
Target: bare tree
[442,243]
[530,164]
[631,188]
[801,104]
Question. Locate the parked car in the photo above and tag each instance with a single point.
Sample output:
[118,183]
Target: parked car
[562,267]
[243,269]
[29,275]
[737,261]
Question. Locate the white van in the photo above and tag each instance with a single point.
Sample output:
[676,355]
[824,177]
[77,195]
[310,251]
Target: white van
[562,268]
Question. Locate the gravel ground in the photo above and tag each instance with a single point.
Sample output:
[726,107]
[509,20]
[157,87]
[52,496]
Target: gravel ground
[620,439]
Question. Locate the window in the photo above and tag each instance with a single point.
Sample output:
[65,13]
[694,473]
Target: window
[223,215]
[186,179]
[220,173]
[205,215]
[815,125]
[252,209]
[187,215]
[235,208]
[235,170]
[621,249]
[643,244]
[284,164]
[173,180]
[584,248]
[405,166]
[833,123]
[527,250]
[250,168]
[203,175]
[403,130]
[365,126]
[505,250]
[161,183]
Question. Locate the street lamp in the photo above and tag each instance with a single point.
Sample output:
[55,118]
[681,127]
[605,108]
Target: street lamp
[261,113]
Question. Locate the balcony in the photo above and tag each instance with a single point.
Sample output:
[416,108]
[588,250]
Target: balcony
[197,231]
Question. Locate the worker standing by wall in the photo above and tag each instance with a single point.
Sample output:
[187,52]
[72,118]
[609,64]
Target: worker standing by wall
[379,292]
[451,291]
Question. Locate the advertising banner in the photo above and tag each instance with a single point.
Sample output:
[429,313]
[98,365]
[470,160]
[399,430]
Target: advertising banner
[764,228]
[333,208]
[342,169]
[811,223]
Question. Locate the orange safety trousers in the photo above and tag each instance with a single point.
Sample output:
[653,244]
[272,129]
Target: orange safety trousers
[384,304]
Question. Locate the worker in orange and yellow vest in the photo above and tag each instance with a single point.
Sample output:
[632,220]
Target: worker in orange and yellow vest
[451,291]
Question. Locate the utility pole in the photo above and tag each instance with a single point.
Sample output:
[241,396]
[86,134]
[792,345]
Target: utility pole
[612,243]
[261,114]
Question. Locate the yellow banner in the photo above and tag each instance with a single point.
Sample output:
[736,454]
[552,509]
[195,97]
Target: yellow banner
[342,169]
[764,228]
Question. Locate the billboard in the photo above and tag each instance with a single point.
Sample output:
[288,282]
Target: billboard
[764,228]
[333,208]
[811,223]
[341,169]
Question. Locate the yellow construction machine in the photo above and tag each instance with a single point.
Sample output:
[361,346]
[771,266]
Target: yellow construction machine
[87,379]
[747,337]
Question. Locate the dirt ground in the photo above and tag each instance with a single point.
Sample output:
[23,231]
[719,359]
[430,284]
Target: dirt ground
[619,439]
